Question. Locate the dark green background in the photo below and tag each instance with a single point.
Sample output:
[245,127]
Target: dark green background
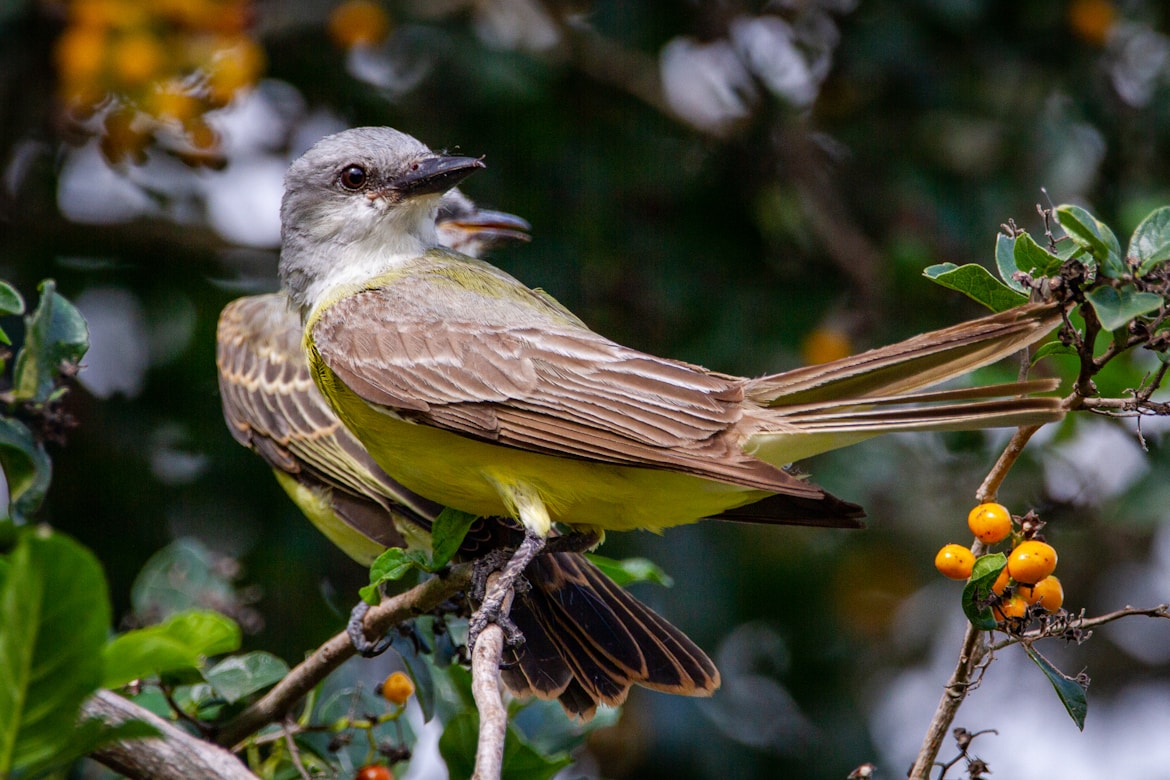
[937,122]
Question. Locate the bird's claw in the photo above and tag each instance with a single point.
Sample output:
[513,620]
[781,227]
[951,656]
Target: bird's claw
[357,633]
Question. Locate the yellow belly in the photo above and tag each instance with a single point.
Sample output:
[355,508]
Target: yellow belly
[468,474]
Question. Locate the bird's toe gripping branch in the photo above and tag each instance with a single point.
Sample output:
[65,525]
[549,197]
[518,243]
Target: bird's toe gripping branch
[357,634]
[497,591]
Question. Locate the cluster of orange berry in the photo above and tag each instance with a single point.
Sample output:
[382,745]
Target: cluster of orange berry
[396,689]
[154,67]
[1027,578]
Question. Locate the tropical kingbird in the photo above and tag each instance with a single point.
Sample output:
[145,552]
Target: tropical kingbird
[483,394]
[586,639]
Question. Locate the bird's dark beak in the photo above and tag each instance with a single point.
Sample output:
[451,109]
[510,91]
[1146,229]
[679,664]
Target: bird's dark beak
[435,175]
[489,227]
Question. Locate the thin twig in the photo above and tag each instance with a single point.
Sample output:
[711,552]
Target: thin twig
[293,753]
[1011,453]
[1084,624]
[485,688]
[973,650]
[275,704]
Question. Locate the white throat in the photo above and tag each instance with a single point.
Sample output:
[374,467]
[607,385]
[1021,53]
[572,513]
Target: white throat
[348,247]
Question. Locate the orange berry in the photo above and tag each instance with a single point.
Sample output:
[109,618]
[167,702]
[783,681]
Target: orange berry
[1048,593]
[238,63]
[137,58]
[374,772]
[1012,608]
[824,345]
[990,523]
[80,53]
[358,23]
[1031,562]
[1001,582]
[397,688]
[1091,20]
[954,561]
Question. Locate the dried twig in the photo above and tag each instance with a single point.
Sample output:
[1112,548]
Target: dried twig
[174,755]
[275,704]
[485,688]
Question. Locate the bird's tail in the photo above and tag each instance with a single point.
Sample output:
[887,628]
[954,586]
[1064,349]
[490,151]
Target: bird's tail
[820,408]
[588,641]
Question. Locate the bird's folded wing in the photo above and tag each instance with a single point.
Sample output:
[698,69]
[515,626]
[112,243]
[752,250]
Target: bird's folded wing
[272,406]
[546,385]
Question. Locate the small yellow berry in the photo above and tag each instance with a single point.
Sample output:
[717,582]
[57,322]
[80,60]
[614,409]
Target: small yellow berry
[955,561]
[397,688]
[990,523]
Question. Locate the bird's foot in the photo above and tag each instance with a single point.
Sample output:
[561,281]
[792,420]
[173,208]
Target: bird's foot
[357,633]
[499,590]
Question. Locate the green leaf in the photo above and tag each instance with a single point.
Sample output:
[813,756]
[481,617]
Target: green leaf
[54,614]
[391,566]
[55,334]
[1115,308]
[447,535]
[1096,237]
[977,591]
[977,283]
[26,466]
[179,643]
[521,761]
[1034,259]
[1150,243]
[1070,690]
[238,676]
[1053,348]
[10,303]
[1005,260]
[631,570]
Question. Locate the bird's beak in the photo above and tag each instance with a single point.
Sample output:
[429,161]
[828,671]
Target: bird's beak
[489,227]
[433,175]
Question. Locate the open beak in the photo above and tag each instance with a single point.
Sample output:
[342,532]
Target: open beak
[488,228]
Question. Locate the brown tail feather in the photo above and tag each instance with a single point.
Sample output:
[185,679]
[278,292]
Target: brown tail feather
[588,641]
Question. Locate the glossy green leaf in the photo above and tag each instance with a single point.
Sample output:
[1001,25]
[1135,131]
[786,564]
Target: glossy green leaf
[1072,692]
[55,335]
[238,676]
[630,570]
[978,589]
[1116,308]
[1034,259]
[1095,236]
[26,467]
[10,303]
[181,642]
[1005,261]
[977,283]
[1052,348]
[54,614]
[391,566]
[1150,243]
[447,535]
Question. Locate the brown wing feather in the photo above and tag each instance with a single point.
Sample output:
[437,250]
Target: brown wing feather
[554,387]
[271,405]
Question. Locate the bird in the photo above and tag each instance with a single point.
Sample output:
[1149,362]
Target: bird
[587,640]
[476,391]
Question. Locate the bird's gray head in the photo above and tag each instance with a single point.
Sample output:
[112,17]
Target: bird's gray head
[358,203]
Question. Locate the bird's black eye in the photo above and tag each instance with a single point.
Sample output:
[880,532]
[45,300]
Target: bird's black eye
[353,177]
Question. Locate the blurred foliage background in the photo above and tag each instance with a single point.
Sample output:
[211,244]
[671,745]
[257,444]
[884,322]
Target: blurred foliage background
[744,185]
